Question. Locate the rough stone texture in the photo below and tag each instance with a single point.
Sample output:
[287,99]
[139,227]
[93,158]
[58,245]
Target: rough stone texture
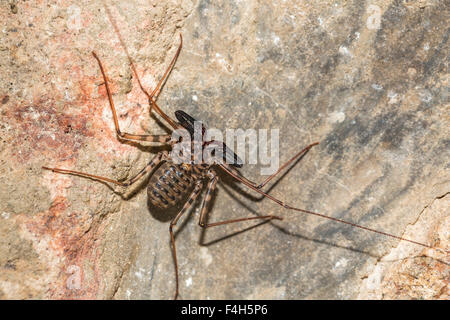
[406,272]
[374,94]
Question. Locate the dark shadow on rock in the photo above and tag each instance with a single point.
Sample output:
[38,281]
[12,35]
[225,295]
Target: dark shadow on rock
[228,236]
[276,225]
[229,180]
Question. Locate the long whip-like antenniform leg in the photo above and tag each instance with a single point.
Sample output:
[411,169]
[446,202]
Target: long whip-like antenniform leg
[154,95]
[281,203]
[211,187]
[187,205]
[261,185]
[149,167]
[163,80]
[128,136]
[296,157]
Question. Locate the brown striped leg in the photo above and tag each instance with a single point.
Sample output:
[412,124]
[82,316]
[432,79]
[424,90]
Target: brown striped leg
[187,205]
[138,137]
[154,96]
[163,80]
[149,167]
[298,155]
[211,187]
[152,102]
[155,93]
[286,206]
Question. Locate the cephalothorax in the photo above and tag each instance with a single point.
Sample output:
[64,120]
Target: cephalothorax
[173,180]
[170,181]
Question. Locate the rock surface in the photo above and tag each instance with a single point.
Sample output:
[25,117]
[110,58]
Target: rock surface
[366,79]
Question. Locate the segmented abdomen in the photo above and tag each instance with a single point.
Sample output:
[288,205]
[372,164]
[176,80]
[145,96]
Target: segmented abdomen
[168,185]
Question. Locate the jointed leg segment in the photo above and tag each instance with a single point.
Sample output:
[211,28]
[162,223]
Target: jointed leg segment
[127,136]
[261,185]
[149,167]
[203,215]
[163,80]
[155,93]
[187,205]
[252,186]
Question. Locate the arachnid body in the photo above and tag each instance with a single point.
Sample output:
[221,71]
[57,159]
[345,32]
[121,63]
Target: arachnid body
[171,181]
